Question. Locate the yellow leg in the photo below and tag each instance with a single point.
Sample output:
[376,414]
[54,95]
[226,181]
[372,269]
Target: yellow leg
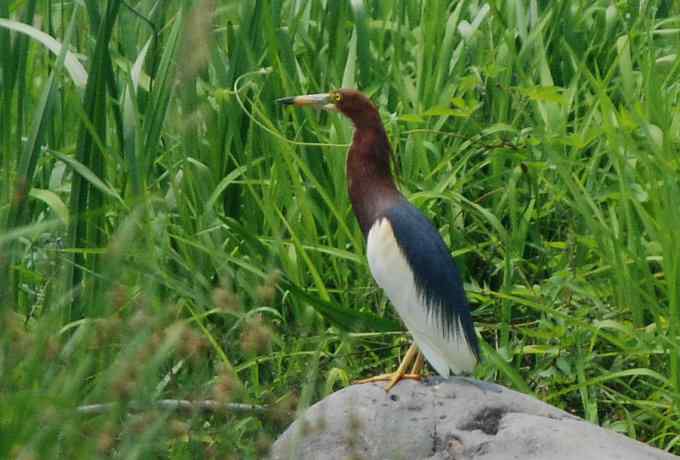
[418,365]
[413,358]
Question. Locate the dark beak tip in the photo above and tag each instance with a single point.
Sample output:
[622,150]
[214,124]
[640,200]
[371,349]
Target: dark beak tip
[285,100]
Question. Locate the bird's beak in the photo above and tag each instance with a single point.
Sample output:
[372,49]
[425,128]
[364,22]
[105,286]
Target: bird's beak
[318,101]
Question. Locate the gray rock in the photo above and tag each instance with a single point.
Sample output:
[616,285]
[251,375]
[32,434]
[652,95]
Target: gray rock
[457,419]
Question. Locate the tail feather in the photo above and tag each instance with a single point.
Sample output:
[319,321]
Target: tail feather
[446,354]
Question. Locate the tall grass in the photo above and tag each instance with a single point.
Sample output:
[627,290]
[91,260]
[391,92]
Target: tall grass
[169,233]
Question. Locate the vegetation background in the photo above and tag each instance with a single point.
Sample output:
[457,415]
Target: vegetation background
[169,233]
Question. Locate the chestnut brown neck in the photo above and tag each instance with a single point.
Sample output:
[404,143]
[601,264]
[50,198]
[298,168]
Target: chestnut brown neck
[371,186]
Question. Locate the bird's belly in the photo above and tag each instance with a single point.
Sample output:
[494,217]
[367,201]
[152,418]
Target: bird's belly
[393,274]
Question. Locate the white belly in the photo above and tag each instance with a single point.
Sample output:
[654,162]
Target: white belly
[391,271]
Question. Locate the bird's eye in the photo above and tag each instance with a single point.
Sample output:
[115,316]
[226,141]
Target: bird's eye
[337,97]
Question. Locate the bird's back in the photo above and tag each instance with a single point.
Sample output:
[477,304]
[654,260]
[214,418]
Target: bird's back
[411,263]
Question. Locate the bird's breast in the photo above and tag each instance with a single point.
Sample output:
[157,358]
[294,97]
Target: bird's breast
[387,261]
[392,272]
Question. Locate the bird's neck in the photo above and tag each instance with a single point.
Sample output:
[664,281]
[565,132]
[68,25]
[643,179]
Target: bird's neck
[371,186]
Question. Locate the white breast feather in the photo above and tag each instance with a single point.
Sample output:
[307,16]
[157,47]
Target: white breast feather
[392,273]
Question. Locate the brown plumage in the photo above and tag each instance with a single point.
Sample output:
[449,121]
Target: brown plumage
[369,178]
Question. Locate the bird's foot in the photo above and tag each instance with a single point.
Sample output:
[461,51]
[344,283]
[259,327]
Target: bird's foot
[392,378]
[412,358]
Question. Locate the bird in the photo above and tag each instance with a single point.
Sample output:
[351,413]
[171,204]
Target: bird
[406,255]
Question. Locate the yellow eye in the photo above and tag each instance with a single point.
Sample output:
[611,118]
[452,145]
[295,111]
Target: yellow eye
[337,97]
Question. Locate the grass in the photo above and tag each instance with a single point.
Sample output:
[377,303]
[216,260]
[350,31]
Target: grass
[168,232]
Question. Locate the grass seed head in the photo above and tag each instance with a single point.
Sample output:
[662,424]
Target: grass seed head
[226,386]
[283,411]
[24,454]
[139,320]
[179,428]
[126,383]
[256,337]
[119,297]
[140,423]
[226,300]
[20,191]
[196,40]
[107,329]
[105,442]
[52,348]
[263,444]
[193,344]
[266,292]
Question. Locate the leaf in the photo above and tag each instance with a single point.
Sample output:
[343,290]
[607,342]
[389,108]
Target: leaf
[466,29]
[411,118]
[73,66]
[458,102]
[504,367]
[42,113]
[632,373]
[438,111]
[88,175]
[625,65]
[53,201]
[544,94]
[499,128]
[441,111]
[540,349]
[363,47]
[349,73]
[581,139]
[345,318]
[137,72]
[224,183]
[28,231]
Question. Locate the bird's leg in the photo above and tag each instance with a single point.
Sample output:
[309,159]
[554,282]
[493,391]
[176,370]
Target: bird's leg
[412,357]
[418,364]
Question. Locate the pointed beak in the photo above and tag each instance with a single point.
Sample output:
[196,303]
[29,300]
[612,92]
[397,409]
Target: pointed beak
[318,101]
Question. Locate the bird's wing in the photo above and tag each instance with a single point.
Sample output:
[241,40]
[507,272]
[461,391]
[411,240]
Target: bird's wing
[410,261]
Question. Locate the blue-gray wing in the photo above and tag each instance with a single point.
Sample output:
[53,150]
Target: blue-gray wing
[436,275]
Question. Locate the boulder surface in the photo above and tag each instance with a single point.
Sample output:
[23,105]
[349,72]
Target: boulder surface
[458,419]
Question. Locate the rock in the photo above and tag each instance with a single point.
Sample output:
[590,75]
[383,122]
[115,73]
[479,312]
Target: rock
[457,419]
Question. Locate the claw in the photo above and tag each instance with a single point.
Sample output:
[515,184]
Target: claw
[413,358]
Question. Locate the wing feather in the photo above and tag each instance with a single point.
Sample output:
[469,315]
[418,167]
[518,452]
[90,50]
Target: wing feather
[410,261]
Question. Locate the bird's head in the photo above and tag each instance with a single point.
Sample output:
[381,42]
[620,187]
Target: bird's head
[350,102]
